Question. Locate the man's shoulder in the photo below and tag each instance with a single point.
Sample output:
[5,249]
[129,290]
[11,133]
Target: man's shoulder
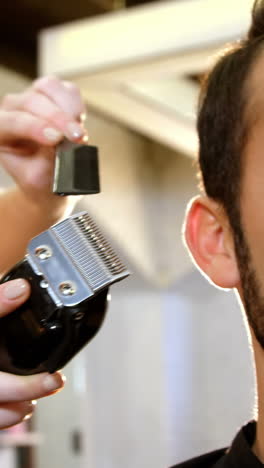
[203,461]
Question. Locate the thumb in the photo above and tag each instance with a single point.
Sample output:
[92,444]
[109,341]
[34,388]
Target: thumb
[12,294]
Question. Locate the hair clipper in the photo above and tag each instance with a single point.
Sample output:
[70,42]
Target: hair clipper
[70,268]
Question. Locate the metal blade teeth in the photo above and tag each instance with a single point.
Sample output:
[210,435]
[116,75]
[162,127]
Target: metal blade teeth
[89,251]
[102,247]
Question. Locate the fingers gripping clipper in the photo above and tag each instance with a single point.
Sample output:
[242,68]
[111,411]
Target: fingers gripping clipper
[70,268]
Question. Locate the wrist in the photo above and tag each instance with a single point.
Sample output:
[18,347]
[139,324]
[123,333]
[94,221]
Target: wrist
[50,207]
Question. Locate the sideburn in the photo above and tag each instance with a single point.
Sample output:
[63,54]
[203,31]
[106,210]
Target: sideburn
[252,296]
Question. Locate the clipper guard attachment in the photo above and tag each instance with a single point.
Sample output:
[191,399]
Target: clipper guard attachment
[70,268]
[76,169]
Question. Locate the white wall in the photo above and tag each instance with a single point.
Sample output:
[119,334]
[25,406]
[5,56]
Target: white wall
[210,381]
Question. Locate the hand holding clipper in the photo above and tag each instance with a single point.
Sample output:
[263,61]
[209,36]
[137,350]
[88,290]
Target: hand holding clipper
[70,268]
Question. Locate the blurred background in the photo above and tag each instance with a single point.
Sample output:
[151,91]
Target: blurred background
[169,375]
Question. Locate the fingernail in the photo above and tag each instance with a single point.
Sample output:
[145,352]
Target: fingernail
[75,130]
[83,117]
[52,134]
[68,84]
[30,410]
[28,416]
[53,382]
[85,138]
[14,289]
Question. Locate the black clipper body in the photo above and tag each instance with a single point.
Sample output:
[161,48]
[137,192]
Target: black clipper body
[70,268]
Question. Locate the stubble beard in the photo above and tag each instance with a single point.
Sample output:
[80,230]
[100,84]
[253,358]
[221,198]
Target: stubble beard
[253,298]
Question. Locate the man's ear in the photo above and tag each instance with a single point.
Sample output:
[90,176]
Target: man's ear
[209,241]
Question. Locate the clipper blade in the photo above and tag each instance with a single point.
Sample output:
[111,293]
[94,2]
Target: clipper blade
[90,251]
[75,259]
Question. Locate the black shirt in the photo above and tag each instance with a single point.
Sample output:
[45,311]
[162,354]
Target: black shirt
[239,455]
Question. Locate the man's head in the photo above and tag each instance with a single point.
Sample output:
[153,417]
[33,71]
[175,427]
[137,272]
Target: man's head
[225,228]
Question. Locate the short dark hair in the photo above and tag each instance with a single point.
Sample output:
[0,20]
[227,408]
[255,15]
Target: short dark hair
[223,122]
[225,119]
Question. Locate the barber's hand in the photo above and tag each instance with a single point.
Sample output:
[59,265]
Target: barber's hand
[32,123]
[17,392]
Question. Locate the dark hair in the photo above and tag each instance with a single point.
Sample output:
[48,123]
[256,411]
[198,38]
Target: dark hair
[223,117]
[225,120]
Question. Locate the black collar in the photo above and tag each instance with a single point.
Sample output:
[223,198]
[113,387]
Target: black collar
[240,454]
